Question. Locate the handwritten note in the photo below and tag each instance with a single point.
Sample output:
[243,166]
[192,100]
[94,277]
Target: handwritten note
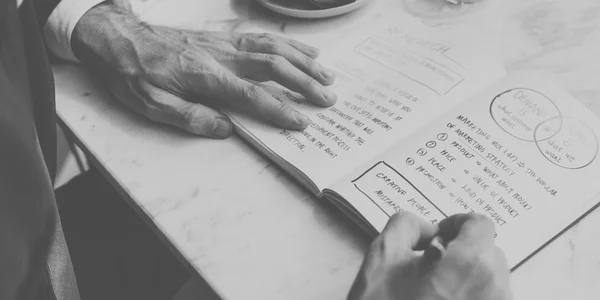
[390,81]
[392,193]
[522,153]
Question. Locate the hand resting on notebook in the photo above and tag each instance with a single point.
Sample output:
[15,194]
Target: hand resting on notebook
[470,267]
[182,77]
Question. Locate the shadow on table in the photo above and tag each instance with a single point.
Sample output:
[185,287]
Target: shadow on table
[115,254]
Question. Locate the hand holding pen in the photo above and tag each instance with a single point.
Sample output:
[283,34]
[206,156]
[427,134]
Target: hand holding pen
[415,260]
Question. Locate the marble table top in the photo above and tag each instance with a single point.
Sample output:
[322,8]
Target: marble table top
[253,233]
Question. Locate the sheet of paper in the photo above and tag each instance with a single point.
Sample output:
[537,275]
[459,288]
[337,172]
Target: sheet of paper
[391,79]
[522,153]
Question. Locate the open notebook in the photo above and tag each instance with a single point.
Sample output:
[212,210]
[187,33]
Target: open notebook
[427,127]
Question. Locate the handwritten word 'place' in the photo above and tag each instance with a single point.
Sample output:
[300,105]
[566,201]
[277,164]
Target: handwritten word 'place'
[438,165]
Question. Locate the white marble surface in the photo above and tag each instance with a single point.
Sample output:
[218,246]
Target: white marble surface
[250,230]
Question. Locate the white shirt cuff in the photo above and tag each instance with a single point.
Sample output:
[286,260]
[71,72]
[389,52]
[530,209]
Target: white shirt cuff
[61,23]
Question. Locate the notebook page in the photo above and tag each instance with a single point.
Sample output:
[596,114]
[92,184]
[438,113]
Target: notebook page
[391,78]
[523,153]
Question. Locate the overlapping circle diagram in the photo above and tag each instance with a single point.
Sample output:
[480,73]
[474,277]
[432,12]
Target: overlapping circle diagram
[529,115]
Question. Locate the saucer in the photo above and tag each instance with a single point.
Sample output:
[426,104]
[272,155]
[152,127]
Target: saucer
[311,13]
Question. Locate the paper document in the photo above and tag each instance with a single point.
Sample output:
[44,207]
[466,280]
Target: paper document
[389,82]
[522,153]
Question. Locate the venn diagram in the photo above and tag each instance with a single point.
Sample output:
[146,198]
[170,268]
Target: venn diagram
[530,116]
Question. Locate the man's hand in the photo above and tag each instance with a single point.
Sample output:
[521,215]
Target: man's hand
[471,267]
[182,77]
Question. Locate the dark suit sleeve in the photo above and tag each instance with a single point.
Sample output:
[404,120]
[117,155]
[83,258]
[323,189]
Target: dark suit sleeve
[26,197]
[27,206]
[43,9]
[26,201]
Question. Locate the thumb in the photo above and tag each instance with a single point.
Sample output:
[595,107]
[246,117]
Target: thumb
[403,234]
[468,235]
[469,229]
[167,108]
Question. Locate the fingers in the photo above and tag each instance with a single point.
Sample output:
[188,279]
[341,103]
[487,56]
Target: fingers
[206,70]
[502,272]
[299,55]
[310,51]
[208,80]
[489,275]
[468,233]
[249,96]
[164,107]
[261,67]
[405,231]
[471,259]
[501,263]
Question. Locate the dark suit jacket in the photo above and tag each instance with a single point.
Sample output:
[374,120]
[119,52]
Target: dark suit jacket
[29,224]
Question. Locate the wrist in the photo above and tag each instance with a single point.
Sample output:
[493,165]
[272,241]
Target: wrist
[104,39]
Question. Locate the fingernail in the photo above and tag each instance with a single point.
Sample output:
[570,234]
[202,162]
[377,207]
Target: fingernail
[223,128]
[329,96]
[327,74]
[315,52]
[303,120]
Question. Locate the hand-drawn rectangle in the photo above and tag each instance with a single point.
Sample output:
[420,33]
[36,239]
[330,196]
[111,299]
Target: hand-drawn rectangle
[431,74]
[392,192]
